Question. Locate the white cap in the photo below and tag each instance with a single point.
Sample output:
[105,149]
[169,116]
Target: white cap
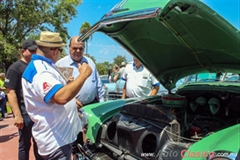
[123,64]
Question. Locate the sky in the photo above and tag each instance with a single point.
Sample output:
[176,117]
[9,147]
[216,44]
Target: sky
[102,48]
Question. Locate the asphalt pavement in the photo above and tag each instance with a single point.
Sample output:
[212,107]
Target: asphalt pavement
[9,140]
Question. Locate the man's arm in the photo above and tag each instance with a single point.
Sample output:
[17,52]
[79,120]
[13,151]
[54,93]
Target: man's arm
[124,91]
[154,91]
[115,78]
[69,91]
[12,99]
[100,90]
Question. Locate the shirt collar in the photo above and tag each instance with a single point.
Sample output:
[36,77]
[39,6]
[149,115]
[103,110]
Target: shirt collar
[73,63]
[138,70]
[39,57]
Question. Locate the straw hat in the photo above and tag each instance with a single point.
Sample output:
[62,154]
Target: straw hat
[50,39]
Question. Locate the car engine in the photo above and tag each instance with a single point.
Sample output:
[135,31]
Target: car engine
[207,111]
[160,130]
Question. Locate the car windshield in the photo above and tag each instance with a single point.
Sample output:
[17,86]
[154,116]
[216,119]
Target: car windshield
[212,77]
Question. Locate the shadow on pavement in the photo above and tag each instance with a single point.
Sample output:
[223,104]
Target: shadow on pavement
[8,137]
[3,126]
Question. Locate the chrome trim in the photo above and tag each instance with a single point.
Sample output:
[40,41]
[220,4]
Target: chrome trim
[130,16]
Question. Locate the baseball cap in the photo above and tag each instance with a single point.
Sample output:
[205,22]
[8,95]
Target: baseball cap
[123,64]
[29,44]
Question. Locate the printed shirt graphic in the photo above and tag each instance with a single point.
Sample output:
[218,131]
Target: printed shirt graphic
[46,86]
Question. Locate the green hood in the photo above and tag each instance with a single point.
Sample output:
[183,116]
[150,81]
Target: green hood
[173,39]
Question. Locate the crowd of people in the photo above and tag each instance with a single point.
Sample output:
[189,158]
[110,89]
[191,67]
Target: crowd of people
[45,112]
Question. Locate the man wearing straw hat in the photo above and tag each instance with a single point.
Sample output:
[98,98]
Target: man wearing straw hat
[49,99]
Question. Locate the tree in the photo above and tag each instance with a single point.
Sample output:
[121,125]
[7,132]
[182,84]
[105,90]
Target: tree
[119,59]
[85,26]
[94,60]
[103,68]
[22,18]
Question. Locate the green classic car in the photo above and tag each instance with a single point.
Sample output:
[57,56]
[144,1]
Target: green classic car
[173,39]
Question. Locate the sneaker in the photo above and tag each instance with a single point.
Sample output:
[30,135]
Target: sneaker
[5,115]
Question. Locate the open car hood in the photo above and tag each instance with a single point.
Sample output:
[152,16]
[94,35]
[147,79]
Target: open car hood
[173,39]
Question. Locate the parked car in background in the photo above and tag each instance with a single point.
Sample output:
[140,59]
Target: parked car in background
[104,79]
[233,78]
[201,119]
[114,90]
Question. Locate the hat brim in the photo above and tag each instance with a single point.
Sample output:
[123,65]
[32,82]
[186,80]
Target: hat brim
[39,43]
[33,47]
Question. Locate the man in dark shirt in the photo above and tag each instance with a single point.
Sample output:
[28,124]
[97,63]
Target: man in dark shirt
[15,99]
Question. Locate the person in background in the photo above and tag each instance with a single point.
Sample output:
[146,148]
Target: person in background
[139,81]
[122,69]
[49,99]
[2,104]
[2,79]
[115,74]
[15,98]
[92,91]
[3,89]
[109,75]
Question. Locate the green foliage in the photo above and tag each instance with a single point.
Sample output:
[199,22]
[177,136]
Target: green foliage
[21,18]
[84,27]
[63,54]
[93,58]
[119,59]
[103,68]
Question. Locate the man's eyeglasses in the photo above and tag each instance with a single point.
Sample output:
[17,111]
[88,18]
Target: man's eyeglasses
[60,49]
[75,48]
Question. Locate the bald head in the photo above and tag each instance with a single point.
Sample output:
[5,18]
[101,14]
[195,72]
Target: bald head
[76,49]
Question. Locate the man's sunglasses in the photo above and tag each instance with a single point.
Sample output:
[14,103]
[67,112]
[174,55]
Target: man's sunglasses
[75,48]
[60,49]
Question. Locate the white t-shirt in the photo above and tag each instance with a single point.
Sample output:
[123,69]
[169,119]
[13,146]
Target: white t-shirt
[139,82]
[121,71]
[54,125]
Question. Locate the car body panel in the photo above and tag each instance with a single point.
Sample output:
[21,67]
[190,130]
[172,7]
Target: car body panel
[187,30]
[227,140]
[104,79]
[99,113]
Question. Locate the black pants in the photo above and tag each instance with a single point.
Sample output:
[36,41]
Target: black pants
[25,136]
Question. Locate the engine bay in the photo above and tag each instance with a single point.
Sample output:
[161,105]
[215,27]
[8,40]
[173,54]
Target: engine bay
[151,129]
[206,112]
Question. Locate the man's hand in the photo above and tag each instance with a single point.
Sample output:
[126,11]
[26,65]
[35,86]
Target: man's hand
[79,104]
[84,69]
[18,122]
[2,88]
[70,79]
